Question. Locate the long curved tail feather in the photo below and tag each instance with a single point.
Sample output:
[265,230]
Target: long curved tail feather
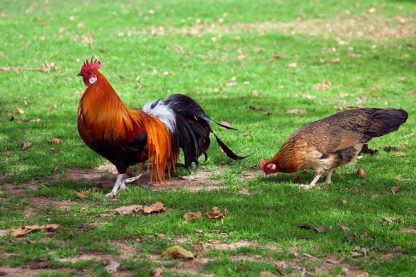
[189,126]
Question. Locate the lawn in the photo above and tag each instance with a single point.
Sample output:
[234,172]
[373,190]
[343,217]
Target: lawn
[266,68]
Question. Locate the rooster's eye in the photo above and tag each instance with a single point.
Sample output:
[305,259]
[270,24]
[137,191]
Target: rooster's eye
[92,79]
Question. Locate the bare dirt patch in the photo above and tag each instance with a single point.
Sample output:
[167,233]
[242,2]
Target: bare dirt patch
[347,27]
[105,176]
[29,272]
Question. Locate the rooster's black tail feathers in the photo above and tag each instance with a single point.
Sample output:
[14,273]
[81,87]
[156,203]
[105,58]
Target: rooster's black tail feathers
[189,125]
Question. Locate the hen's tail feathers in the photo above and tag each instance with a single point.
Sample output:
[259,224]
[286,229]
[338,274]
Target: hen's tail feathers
[190,126]
[385,121]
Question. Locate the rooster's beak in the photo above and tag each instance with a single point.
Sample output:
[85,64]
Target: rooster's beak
[79,74]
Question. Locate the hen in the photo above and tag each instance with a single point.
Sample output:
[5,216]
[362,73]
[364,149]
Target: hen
[334,141]
[156,134]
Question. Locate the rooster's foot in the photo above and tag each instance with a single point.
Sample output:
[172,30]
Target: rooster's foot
[119,185]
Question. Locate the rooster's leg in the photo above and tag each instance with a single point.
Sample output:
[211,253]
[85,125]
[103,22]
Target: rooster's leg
[329,176]
[121,179]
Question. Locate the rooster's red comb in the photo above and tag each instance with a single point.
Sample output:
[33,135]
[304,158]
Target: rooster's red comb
[91,65]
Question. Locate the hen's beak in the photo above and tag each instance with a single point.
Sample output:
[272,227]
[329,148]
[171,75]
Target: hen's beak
[79,74]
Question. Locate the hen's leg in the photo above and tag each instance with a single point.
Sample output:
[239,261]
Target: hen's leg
[121,179]
[329,176]
[318,174]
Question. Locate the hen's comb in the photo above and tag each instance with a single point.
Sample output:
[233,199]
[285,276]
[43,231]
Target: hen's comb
[91,65]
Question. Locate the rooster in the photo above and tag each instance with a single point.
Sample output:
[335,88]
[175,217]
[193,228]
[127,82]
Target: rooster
[156,134]
[333,141]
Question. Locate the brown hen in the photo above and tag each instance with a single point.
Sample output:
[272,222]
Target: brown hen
[333,141]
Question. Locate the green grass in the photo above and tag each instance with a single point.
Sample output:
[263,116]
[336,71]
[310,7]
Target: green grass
[201,66]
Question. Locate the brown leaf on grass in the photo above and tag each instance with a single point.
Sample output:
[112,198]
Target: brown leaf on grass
[361,173]
[215,213]
[404,144]
[158,272]
[38,264]
[332,260]
[344,228]
[23,230]
[191,215]
[4,233]
[400,154]
[177,252]
[394,190]
[390,148]
[295,111]
[20,111]
[387,219]
[112,266]
[244,191]
[325,85]
[81,194]
[320,229]
[355,254]
[156,207]
[199,247]
[305,226]
[45,68]
[364,235]
[128,209]
[55,140]
[25,145]
[231,82]
[213,241]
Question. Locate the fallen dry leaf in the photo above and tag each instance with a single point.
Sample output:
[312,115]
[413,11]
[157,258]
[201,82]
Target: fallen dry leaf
[81,194]
[231,82]
[25,145]
[191,215]
[128,209]
[112,266]
[157,272]
[390,148]
[45,68]
[20,111]
[400,154]
[334,260]
[305,226]
[355,254]
[55,141]
[23,230]
[213,241]
[4,233]
[214,214]
[325,85]
[320,229]
[156,207]
[244,191]
[177,252]
[199,247]
[361,173]
[344,228]
[295,111]
[387,219]
[394,190]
